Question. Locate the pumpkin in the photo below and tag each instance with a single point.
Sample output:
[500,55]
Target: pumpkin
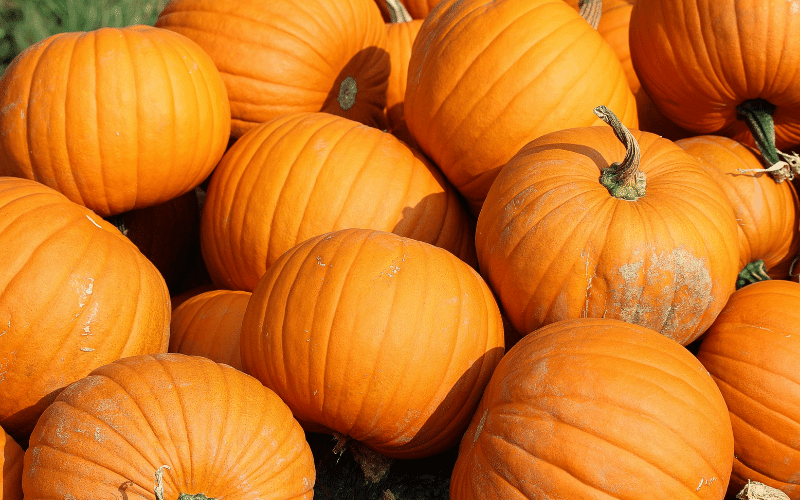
[74,295]
[304,174]
[208,428]
[400,35]
[116,119]
[753,350]
[719,67]
[179,299]
[487,76]
[385,340]
[11,463]
[208,325]
[582,224]
[596,408]
[286,56]
[767,211]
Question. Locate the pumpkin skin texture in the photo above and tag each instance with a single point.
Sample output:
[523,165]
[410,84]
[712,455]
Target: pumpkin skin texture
[11,464]
[208,325]
[486,77]
[260,202]
[286,56]
[554,244]
[400,38]
[753,350]
[220,432]
[116,119]
[596,409]
[767,211]
[384,339]
[74,295]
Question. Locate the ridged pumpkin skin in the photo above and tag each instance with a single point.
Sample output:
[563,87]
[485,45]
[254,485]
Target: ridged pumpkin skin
[305,174]
[767,212]
[116,119]
[699,59]
[11,464]
[285,56]
[74,295]
[488,76]
[384,339]
[400,38]
[596,409]
[208,325]
[554,244]
[219,430]
[753,352]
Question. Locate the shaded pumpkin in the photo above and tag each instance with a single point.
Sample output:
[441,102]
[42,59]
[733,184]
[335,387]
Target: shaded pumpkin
[417,9]
[286,56]
[305,174]
[117,119]
[385,340]
[596,408]
[11,463]
[218,431]
[74,295]
[753,350]
[579,224]
[179,299]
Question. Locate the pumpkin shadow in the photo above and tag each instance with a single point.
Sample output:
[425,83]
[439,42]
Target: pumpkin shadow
[19,425]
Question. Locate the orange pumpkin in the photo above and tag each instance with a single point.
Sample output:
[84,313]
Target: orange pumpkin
[286,56]
[579,225]
[488,76]
[74,295]
[753,352]
[218,431]
[417,9]
[11,464]
[400,34]
[386,340]
[304,174]
[116,119]
[596,408]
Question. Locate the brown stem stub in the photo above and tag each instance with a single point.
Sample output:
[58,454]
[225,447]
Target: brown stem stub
[623,179]
[348,90]
[591,10]
[754,490]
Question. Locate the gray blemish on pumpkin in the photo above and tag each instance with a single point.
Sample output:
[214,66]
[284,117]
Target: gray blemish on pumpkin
[479,428]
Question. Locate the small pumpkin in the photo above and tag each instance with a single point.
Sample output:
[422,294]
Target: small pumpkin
[400,34]
[11,465]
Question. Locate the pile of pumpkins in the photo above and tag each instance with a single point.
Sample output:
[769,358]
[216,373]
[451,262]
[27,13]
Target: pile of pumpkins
[491,224]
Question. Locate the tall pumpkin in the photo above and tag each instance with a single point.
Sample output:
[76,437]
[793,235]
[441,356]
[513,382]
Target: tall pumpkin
[218,431]
[488,76]
[386,340]
[286,56]
[401,32]
[116,119]
[74,295]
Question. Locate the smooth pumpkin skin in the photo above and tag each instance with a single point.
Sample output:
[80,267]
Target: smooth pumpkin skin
[208,325]
[219,430]
[286,56]
[753,350]
[400,38]
[11,464]
[554,244]
[384,339]
[305,174]
[116,119]
[486,77]
[699,59]
[74,295]
[596,409]
[767,212]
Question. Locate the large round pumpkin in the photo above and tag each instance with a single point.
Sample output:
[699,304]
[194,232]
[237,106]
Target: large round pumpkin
[386,340]
[753,352]
[218,431]
[285,56]
[487,76]
[570,230]
[304,174]
[74,295]
[596,408]
[11,463]
[116,119]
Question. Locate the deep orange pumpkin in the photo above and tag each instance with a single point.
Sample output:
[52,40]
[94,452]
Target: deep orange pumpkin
[74,295]
[220,432]
[400,35]
[287,56]
[596,408]
[753,352]
[384,339]
[116,119]
[11,464]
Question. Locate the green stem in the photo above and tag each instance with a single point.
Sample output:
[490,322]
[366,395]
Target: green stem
[752,273]
[623,179]
[398,12]
[757,114]
[591,10]
[158,488]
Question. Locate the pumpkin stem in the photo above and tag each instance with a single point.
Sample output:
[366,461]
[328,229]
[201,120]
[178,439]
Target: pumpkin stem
[623,179]
[398,12]
[347,93]
[158,488]
[591,10]
[754,490]
[118,221]
[794,269]
[752,273]
[757,113]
